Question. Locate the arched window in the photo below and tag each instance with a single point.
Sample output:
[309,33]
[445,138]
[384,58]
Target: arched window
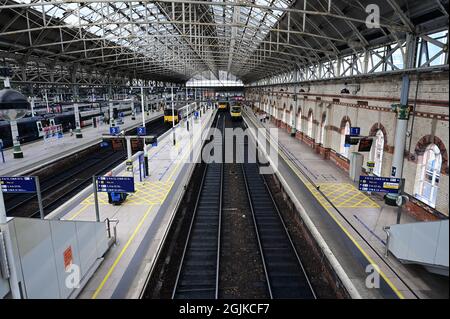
[322,129]
[429,172]
[291,116]
[299,121]
[284,114]
[310,124]
[376,153]
[344,148]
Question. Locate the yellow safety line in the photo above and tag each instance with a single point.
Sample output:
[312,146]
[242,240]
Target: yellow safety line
[369,259]
[141,222]
[124,249]
[79,211]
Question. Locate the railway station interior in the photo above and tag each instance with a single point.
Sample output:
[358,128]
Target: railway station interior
[224,150]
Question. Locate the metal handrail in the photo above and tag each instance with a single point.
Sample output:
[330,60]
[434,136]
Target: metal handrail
[388,239]
[108,228]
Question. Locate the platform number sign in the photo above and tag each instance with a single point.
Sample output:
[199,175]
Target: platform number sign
[355,131]
[115,130]
[141,131]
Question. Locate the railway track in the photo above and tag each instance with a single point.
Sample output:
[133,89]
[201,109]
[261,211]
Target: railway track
[197,276]
[285,274]
[58,188]
[248,254]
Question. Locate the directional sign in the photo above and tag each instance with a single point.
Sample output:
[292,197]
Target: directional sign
[115,130]
[20,184]
[355,131]
[115,184]
[141,131]
[379,184]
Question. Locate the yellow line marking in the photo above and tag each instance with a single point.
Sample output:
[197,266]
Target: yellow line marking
[352,197]
[119,257]
[369,259]
[79,212]
[358,203]
[340,195]
[141,222]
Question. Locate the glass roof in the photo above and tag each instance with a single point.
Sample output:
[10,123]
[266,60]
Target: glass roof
[145,29]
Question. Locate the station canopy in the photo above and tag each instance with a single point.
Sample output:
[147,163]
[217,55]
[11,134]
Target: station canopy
[180,40]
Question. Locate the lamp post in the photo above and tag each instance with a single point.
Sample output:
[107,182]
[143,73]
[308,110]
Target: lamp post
[13,105]
[143,125]
[173,119]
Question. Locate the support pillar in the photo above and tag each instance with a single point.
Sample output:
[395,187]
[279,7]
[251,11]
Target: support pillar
[129,151]
[111,115]
[17,151]
[78,133]
[402,111]
[143,124]
[294,116]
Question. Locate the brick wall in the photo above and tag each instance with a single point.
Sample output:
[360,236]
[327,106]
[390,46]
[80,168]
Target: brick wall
[370,108]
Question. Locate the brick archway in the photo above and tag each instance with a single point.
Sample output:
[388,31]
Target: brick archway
[344,121]
[324,118]
[373,132]
[427,140]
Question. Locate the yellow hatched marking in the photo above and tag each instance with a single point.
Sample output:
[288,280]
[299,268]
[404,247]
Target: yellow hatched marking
[153,193]
[332,215]
[346,196]
[169,184]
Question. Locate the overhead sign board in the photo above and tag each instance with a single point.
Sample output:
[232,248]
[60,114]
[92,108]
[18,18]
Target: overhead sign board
[379,184]
[141,131]
[115,184]
[19,184]
[365,145]
[350,141]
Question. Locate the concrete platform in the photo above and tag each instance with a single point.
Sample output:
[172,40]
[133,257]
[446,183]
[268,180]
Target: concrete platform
[40,153]
[353,232]
[145,216]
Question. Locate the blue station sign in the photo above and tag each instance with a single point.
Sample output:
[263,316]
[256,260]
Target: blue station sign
[115,130]
[355,131]
[19,184]
[115,184]
[141,131]
[379,184]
